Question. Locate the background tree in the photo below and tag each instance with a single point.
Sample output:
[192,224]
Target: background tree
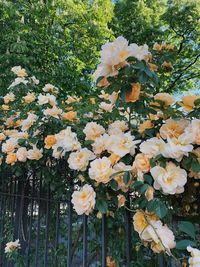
[175,22]
[58,41]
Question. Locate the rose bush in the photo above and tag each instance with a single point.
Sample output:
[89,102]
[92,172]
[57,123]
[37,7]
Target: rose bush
[133,147]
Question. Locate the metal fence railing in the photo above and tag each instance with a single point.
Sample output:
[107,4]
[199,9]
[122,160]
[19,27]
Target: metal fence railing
[50,232]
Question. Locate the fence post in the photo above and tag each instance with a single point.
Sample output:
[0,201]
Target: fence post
[85,240]
[104,242]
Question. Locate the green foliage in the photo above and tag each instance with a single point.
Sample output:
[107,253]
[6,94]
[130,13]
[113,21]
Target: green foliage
[58,40]
[175,22]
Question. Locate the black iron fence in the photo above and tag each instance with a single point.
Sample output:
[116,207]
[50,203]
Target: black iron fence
[50,232]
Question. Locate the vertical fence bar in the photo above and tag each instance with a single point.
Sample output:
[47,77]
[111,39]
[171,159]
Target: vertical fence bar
[161,261]
[30,220]
[104,242]
[57,231]
[47,228]
[69,241]
[128,227]
[85,241]
[38,224]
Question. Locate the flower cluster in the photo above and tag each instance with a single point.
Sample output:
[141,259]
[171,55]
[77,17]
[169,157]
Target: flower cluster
[136,146]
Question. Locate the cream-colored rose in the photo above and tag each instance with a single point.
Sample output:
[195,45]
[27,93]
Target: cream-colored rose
[194,260]
[9,98]
[141,163]
[49,88]
[72,99]
[84,200]
[67,141]
[173,128]
[28,122]
[144,126]
[170,179]
[19,71]
[152,147]
[149,193]
[9,146]
[106,107]
[70,115]
[35,80]
[93,130]
[164,97]
[194,130]
[47,99]
[5,107]
[99,144]
[100,170]
[117,127]
[176,148]
[35,153]
[121,200]
[79,160]
[121,144]
[11,158]
[53,112]
[140,220]
[12,246]
[29,98]
[188,102]
[2,137]
[22,154]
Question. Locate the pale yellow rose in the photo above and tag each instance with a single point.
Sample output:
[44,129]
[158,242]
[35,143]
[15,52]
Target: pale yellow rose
[53,112]
[106,107]
[100,170]
[188,102]
[9,98]
[149,193]
[34,153]
[19,71]
[79,160]
[173,128]
[2,137]
[12,246]
[144,126]
[141,163]
[29,98]
[164,97]
[9,146]
[140,220]
[93,130]
[11,158]
[84,200]
[22,154]
[49,141]
[170,179]
[5,107]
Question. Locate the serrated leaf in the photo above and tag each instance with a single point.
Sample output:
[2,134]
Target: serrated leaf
[102,206]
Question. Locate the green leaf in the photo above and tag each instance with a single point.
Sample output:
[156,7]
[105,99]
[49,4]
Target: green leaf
[183,244]
[137,184]
[102,206]
[126,177]
[148,179]
[114,184]
[158,207]
[187,228]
